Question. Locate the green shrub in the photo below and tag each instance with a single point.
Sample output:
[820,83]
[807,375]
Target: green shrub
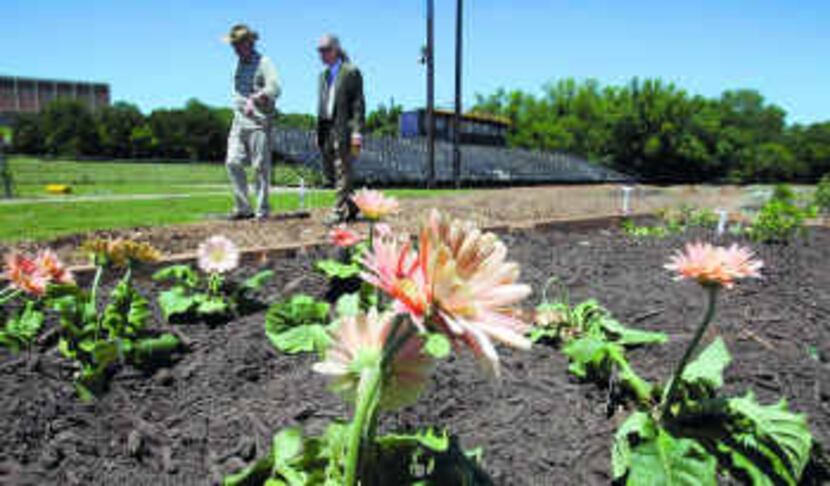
[781,218]
[822,195]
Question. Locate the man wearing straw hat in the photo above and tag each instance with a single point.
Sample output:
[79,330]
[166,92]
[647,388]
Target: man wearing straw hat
[255,90]
[341,116]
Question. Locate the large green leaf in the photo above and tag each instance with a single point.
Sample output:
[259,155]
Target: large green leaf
[586,353]
[211,306]
[668,461]
[638,424]
[776,431]
[22,328]
[257,281]
[707,369]
[178,274]
[744,464]
[631,337]
[305,338]
[149,348]
[298,325]
[335,269]
[424,438]
[176,301]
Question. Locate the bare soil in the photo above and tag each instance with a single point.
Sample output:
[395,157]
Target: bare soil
[216,409]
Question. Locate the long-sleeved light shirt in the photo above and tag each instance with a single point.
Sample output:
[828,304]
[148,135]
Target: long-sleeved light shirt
[254,79]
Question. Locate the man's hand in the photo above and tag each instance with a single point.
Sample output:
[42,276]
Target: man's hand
[249,107]
[357,143]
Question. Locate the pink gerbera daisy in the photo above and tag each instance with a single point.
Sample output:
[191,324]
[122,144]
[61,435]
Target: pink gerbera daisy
[359,342]
[374,204]
[473,287]
[343,237]
[714,265]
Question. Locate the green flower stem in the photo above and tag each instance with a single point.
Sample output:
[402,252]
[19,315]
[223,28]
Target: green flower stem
[93,296]
[712,293]
[369,393]
[368,397]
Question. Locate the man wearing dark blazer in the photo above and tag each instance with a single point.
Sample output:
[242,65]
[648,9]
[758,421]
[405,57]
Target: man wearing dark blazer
[341,117]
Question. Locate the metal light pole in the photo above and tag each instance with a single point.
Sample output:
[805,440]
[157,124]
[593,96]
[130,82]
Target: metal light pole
[456,149]
[429,58]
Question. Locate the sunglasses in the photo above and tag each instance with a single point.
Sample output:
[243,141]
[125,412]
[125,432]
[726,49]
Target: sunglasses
[325,49]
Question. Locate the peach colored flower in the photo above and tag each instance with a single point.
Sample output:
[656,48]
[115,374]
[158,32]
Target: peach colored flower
[374,204]
[473,287]
[393,267]
[218,254]
[24,274]
[458,283]
[714,265]
[359,342]
[343,237]
[33,275]
[52,267]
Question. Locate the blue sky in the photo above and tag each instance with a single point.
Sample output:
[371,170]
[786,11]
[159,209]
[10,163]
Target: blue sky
[161,53]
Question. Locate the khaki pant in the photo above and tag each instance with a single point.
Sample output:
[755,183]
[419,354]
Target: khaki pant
[250,146]
[337,168]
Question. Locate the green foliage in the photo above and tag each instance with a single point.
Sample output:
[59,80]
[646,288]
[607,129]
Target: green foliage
[384,121]
[22,328]
[656,131]
[97,342]
[822,195]
[69,129]
[666,460]
[672,222]
[594,342]
[707,369]
[28,134]
[782,218]
[763,444]
[425,458]
[335,269]
[298,325]
[192,297]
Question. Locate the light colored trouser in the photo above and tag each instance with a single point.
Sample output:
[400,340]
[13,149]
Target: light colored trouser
[337,166]
[250,146]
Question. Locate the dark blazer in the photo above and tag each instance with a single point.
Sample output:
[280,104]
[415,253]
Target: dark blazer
[349,114]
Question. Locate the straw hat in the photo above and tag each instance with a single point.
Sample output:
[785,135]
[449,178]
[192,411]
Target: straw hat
[239,33]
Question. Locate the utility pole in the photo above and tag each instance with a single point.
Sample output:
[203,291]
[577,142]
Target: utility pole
[429,59]
[456,139]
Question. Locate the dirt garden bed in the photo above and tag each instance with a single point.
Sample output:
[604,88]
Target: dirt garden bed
[216,409]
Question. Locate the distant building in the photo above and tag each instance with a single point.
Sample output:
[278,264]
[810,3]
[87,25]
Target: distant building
[29,95]
[477,129]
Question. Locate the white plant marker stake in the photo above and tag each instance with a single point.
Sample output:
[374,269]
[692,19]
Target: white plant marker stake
[723,218]
[626,200]
[302,193]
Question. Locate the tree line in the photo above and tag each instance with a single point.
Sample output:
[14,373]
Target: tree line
[69,128]
[646,128]
[658,132]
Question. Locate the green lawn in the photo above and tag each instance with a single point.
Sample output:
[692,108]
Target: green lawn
[45,220]
[31,175]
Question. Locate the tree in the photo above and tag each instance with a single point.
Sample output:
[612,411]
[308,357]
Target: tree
[69,129]
[384,121]
[28,134]
[115,128]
